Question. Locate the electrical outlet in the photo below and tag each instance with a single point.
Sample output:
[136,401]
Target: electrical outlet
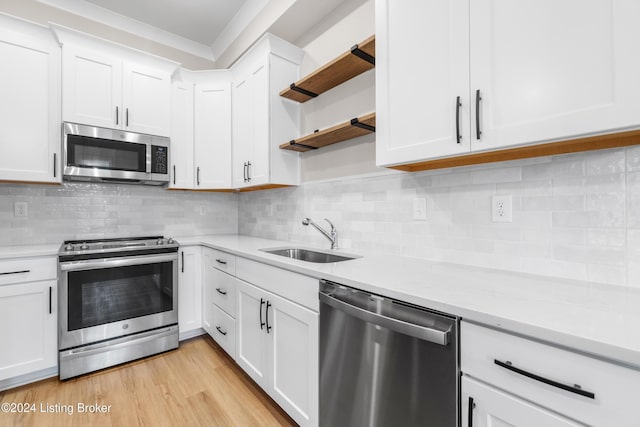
[501,209]
[20,209]
[420,209]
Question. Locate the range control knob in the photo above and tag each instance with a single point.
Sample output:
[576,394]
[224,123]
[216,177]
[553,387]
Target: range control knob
[171,241]
[84,247]
[159,241]
[69,247]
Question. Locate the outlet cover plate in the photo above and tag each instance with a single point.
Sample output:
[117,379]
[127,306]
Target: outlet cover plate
[420,209]
[501,208]
[20,209]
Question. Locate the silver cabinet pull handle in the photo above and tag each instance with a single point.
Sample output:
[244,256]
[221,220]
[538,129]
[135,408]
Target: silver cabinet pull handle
[478,99]
[55,164]
[117,116]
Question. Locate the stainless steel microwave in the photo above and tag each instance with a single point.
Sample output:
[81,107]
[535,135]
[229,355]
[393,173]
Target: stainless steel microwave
[109,155]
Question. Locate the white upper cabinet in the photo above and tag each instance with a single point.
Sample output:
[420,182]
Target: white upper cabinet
[422,71]
[146,99]
[549,70]
[262,120]
[29,103]
[92,88]
[112,86]
[213,131]
[538,71]
[181,169]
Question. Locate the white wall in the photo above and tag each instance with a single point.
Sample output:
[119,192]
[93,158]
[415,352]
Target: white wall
[348,24]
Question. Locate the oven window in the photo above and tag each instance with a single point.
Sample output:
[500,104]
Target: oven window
[88,152]
[105,295]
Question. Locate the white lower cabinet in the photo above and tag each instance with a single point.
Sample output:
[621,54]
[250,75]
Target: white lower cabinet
[485,406]
[277,345]
[515,381]
[28,316]
[189,291]
[219,299]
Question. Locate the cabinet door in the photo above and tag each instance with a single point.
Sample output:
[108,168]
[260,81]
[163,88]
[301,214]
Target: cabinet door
[251,339]
[28,328]
[492,407]
[29,107]
[146,99]
[294,362]
[92,86]
[181,154]
[189,290]
[258,148]
[213,136]
[549,70]
[242,130]
[422,67]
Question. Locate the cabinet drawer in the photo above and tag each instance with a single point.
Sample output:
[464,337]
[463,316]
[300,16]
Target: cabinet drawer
[506,360]
[28,270]
[224,331]
[293,286]
[223,261]
[224,291]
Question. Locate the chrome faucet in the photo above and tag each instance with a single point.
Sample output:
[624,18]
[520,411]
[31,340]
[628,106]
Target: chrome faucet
[332,235]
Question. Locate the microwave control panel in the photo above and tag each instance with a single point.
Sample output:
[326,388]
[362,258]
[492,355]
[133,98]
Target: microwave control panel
[159,159]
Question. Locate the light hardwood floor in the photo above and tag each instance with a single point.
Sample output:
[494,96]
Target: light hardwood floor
[196,385]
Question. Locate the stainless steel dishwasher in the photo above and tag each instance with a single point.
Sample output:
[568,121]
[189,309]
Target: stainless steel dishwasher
[385,363]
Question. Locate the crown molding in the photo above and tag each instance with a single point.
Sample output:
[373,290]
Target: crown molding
[96,13]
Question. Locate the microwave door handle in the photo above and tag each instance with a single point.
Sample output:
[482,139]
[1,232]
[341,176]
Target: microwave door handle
[116,262]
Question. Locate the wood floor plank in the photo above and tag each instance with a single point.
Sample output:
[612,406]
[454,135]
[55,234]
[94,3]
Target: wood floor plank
[196,385]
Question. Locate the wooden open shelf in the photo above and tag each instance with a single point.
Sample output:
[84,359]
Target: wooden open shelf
[357,60]
[321,138]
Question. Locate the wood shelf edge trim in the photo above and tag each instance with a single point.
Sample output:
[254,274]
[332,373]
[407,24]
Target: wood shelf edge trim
[367,46]
[263,187]
[600,142]
[308,140]
[9,181]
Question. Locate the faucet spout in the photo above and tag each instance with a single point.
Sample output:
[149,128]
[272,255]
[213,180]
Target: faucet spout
[331,235]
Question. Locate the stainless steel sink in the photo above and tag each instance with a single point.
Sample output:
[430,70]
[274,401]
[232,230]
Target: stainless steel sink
[310,255]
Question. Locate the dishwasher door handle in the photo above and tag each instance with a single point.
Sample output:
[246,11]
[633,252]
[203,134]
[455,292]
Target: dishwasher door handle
[421,332]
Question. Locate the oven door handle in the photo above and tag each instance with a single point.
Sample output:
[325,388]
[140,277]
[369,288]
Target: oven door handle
[118,343]
[93,264]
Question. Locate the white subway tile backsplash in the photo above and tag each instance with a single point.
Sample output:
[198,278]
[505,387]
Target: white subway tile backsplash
[574,216]
[87,211]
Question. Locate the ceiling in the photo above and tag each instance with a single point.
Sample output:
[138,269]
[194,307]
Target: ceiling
[216,30]
[199,20]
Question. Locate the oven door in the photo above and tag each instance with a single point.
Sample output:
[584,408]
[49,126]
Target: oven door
[103,299]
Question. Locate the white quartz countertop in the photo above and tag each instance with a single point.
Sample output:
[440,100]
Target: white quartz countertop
[592,318]
[27,251]
[597,319]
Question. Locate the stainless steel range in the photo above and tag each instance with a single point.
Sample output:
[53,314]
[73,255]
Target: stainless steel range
[118,301]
